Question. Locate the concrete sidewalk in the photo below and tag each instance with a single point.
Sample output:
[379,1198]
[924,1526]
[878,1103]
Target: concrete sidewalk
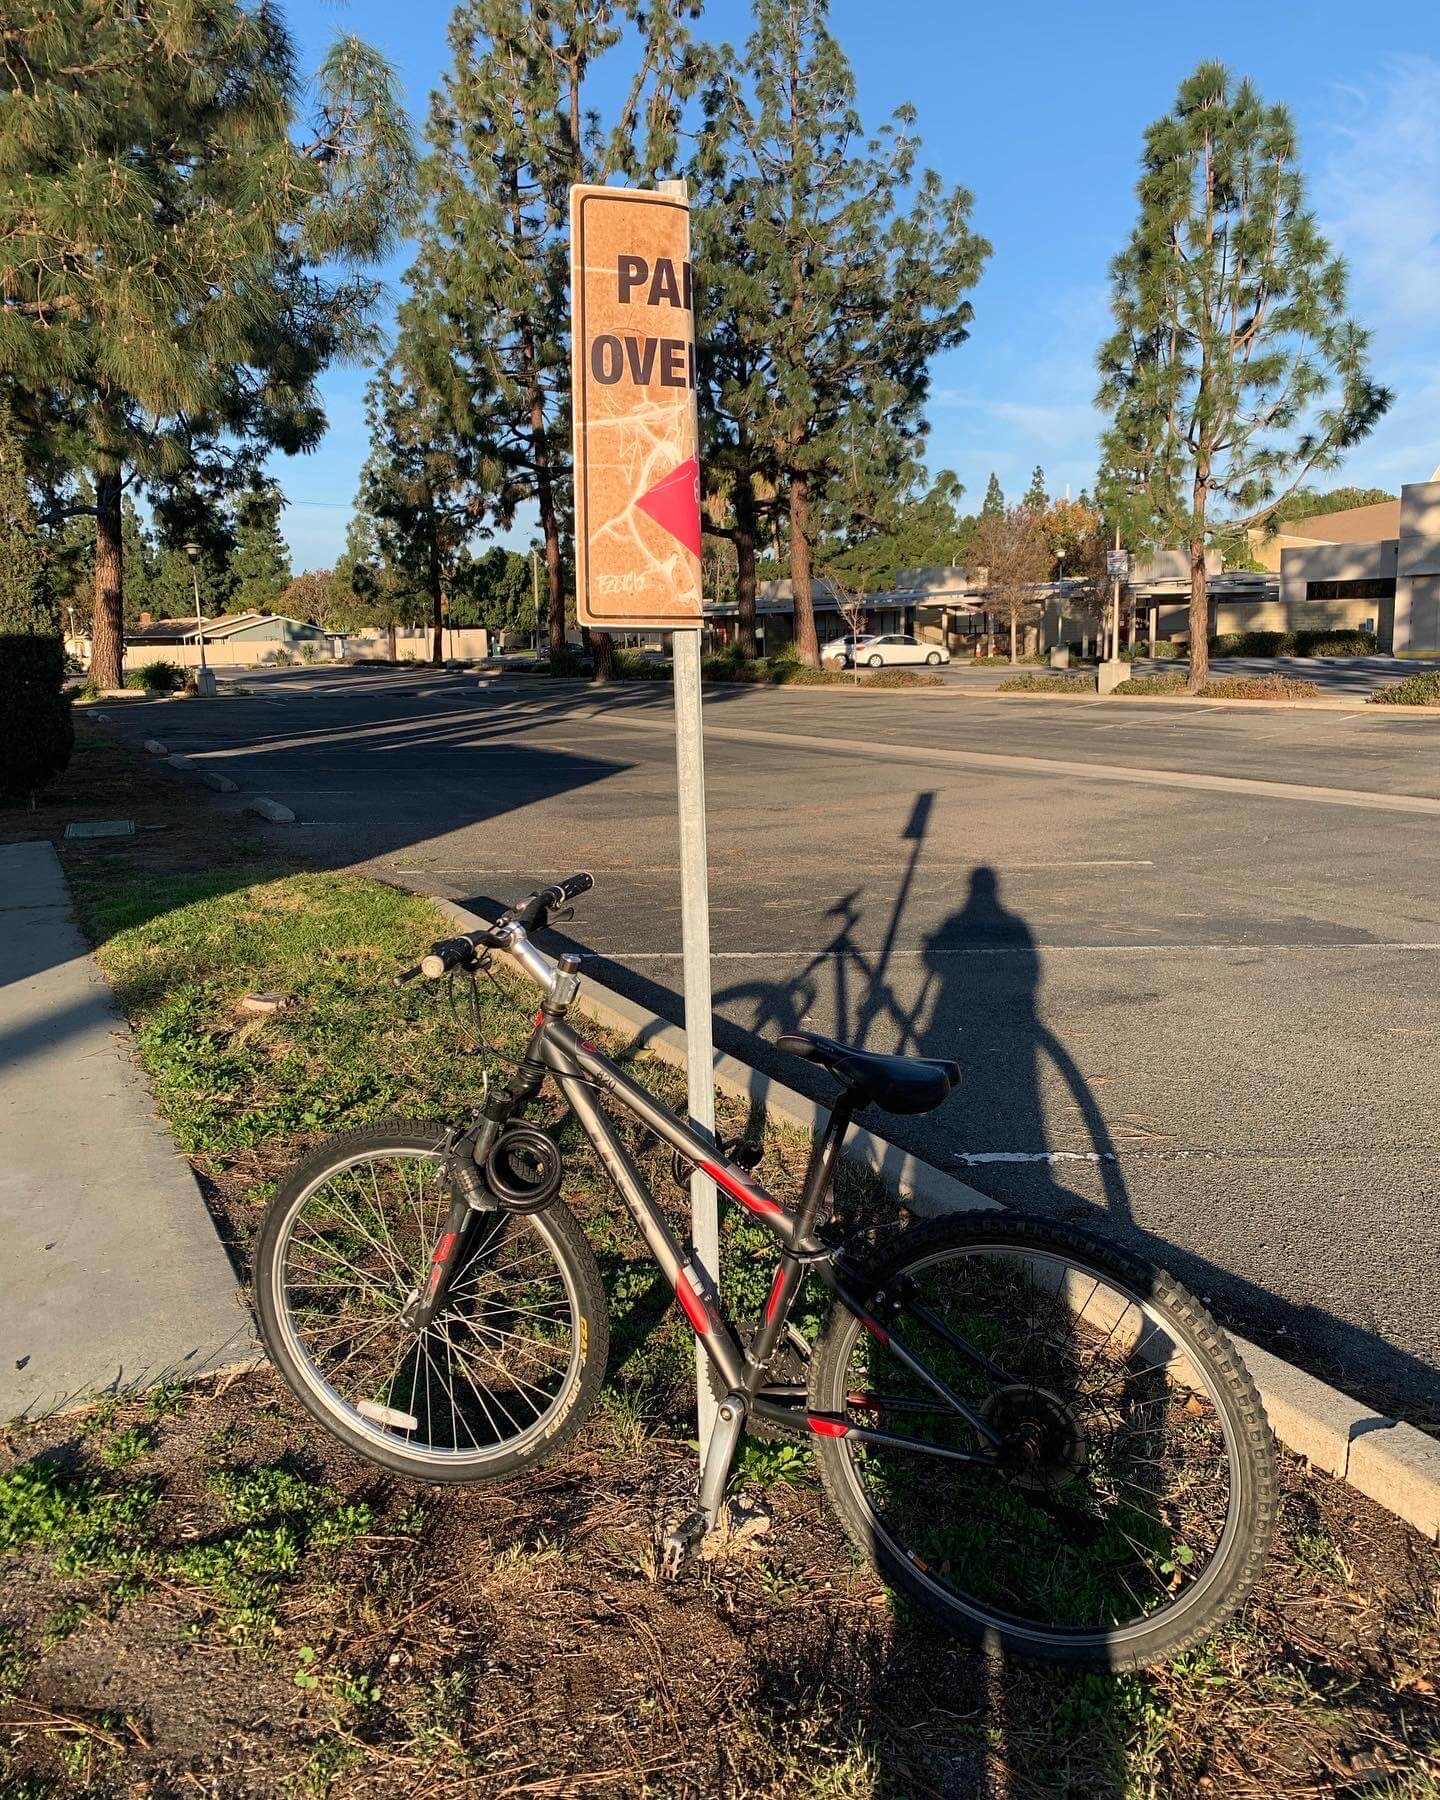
[111,1275]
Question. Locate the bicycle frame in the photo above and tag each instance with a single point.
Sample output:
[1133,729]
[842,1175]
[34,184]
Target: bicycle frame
[586,1077]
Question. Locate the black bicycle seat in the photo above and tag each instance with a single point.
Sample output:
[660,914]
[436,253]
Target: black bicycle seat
[897,1084]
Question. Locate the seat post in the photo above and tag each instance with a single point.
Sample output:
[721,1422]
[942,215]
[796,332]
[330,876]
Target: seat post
[820,1171]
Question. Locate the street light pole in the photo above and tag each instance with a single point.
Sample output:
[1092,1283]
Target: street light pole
[204,680]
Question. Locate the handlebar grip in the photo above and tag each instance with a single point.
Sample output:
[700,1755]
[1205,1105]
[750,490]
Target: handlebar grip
[573,886]
[452,953]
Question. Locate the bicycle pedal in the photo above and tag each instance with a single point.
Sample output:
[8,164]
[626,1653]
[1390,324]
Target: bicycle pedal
[682,1542]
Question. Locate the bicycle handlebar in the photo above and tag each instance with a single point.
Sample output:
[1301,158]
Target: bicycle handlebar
[531,914]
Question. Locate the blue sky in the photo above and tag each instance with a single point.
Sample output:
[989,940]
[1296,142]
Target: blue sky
[1039,109]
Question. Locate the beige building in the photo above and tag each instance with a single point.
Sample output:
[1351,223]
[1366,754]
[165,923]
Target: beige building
[1375,567]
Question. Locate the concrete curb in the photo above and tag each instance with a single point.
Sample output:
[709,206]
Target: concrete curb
[186,765]
[156,748]
[1390,1462]
[952,690]
[271,810]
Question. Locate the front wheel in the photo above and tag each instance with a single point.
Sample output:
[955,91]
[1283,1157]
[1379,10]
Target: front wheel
[877,662]
[1131,1497]
[933,659]
[503,1374]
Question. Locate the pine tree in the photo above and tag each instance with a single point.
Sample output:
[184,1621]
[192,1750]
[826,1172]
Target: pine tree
[994,502]
[425,481]
[372,590]
[862,288]
[509,133]
[260,565]
[1036,498]
[734,331]
[37,738]
[1233,372]
[166,301]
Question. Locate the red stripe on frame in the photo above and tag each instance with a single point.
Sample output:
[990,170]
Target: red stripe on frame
[751,1201]
[827,1427]
[691,1304]
[776,1288]
[444,1247]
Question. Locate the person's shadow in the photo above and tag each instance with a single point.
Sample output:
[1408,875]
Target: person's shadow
[980,1005]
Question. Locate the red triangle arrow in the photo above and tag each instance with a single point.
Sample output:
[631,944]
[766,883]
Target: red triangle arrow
[675,504]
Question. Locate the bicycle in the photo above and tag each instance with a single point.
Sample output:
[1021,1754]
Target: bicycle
[1045,1443]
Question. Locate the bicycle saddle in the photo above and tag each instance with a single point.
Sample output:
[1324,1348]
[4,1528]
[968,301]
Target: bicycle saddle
[897,1084]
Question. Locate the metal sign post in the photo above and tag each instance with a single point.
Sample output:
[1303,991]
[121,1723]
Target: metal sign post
[637,547]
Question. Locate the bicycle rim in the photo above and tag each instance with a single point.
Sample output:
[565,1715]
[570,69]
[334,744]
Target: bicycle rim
[1118,1505]
[491,1373]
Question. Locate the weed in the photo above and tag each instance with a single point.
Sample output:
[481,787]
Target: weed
[329,1759]
[778,1587]
[1319,1554]
[101,1416]
[166,1398]
[127,1447]
[84,1525]
[15,1663]
[62,1622]
[413,1520]
[762,1464]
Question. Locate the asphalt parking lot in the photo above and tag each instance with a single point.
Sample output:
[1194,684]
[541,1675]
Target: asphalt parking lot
[1188,958]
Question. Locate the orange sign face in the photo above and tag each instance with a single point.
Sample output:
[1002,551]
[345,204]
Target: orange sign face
[637,465]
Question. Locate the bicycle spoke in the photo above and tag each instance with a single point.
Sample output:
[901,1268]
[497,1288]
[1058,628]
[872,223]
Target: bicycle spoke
[482,1374]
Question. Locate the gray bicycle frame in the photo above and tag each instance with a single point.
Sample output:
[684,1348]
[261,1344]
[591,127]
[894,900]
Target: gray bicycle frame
[586,1077]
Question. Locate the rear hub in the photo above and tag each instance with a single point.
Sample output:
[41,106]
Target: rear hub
[1041,1443]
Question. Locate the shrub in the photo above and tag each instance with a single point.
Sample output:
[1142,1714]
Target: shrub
[38,733]
[309,653]
[1152,684]
[633,665]
[1166,649]
[1295,643]
[567,660]
[1414,690]
[1047,684]
[902,678]
[1260,687]
[279,659]
[158,677]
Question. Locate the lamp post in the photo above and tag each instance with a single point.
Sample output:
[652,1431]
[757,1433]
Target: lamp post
[204,680]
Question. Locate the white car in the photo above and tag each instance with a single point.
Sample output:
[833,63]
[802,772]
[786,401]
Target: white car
[894,648]
[838,649]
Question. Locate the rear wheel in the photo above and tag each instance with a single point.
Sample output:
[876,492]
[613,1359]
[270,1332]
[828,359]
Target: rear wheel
[505,1372]
[1134,1497]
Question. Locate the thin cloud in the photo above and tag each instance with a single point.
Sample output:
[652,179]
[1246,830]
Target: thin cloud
[1379,191]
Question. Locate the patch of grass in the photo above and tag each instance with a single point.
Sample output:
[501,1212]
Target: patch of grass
[182,950]
[1414,690]
[1047,684]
